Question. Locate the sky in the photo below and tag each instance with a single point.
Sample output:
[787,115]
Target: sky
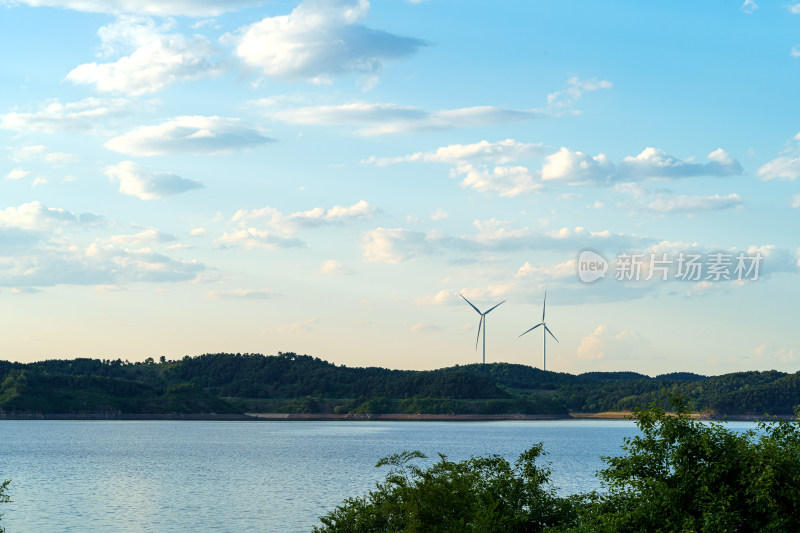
[180,177]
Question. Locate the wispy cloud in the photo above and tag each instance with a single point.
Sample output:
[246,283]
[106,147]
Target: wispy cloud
[146,237]
[500,152]
[748,7]
[389,119]
[694,204]
[576,88]
[783,167]
[332,267]
[85,115]
[241,294]
[398,245]
[607,343]
[191,8]
[303,326]
[269,228]
[190,135]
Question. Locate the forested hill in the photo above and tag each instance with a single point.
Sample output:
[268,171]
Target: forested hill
[287,382]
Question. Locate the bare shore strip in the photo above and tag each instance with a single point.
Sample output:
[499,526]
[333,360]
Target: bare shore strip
[608,415]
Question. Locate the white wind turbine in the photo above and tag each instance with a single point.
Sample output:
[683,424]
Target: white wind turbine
[482,322]
[544,333]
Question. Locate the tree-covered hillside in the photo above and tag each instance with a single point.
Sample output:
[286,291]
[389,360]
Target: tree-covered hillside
[287,382]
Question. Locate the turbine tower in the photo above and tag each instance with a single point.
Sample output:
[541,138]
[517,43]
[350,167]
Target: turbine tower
[544,333]
[482,322]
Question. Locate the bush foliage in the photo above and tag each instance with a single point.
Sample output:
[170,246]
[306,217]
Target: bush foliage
[678,474]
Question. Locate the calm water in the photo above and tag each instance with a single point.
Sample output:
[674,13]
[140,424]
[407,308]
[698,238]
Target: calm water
[248,476]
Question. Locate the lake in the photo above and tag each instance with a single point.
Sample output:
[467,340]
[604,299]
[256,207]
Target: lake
[276,476]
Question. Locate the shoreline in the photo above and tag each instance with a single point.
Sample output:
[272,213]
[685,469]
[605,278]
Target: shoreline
[266,417]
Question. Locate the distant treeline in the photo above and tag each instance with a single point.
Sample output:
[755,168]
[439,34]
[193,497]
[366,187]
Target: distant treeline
[287,382]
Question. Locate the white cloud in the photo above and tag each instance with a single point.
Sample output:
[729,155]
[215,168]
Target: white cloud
[96,264]
[748,7]
[796,201]
[25,153]
[774,259]
[198,232]
[393,245]
[60,158]
[705,288]
[157,59]
[576,87]
[795,9]
[318,39]
[145,237]
[443,297]
[608,344]
[576,168]
[148,184]
[241,294]
[506,181]
[398,245]
[787,168]
[784,167]
[86,115]
[17,174]
[439,214]
[41,152]
[35,216]
[161,8]
[386,119]
[500,152]
[301,327]
[332,267]
[252,238]
[269,228]
[564,270]
[39,247]
[294,222]
[420,327]
[189,135]
[654,163]
[694,204]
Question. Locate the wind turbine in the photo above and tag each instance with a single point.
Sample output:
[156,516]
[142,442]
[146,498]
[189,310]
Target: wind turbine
[544,333]
[482,322]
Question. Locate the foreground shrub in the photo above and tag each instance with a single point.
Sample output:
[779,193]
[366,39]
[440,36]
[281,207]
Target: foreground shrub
[481,494]
[678,474]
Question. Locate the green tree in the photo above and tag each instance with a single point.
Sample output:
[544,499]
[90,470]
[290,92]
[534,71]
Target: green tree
[680,474]
[4,498]
[481,494]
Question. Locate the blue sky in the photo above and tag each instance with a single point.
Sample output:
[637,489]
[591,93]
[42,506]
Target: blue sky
[326,177]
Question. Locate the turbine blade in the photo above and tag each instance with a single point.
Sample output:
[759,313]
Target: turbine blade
[533,328]
[544,306]
[490,310]
[479,333]
[470,304]
[551,333]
